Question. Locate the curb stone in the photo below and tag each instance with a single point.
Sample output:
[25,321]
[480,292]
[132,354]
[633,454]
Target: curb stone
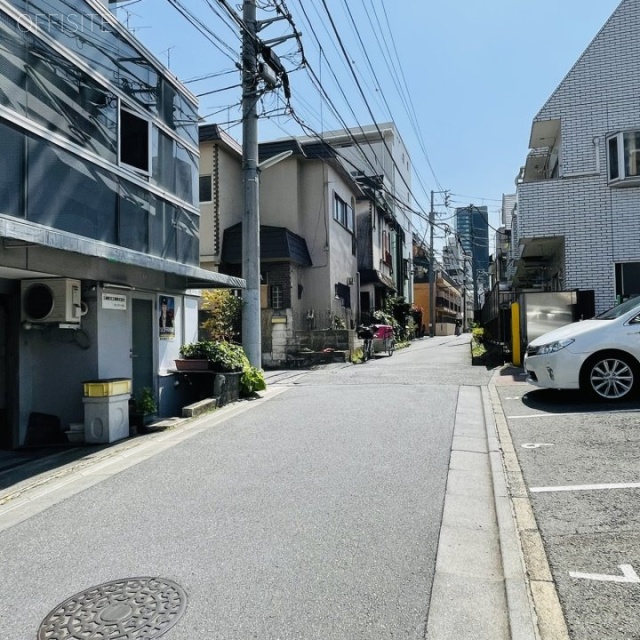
[534,574]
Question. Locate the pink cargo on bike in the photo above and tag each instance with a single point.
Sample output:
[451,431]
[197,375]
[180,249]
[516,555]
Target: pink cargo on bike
[383,339]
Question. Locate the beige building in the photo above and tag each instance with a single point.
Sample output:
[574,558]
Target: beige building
[308,243]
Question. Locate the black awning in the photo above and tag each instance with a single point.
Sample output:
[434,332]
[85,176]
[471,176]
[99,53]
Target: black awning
[277,244]
[373,276]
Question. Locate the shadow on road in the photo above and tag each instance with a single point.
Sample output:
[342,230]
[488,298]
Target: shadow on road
[570,401]
[23,464]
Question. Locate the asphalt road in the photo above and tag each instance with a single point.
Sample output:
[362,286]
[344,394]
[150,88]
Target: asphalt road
[579,460]
[314,514]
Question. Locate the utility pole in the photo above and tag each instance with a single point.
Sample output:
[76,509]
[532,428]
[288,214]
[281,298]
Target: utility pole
[432,283]
[464,289]
[251,329]
[474,257]
[432,271]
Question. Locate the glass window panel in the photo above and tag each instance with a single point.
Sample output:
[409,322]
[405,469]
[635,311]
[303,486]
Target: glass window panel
[614,171]
[65,100]
[630,280]
[73,24]
[69,194]
[162,233]
[187,238]
[134,140]
[205,189]
[133,218]
[186,119]
[12,144]
[13,50]
[632,153]
[277,298]
[166,101]
[163,170]
[174,168]
[186,168]
[92,38]
[137,77]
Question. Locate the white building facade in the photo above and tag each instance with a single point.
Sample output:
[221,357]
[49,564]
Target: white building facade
[577,223]
[379,151]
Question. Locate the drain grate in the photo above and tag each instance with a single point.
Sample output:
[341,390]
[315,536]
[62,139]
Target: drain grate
[129,609]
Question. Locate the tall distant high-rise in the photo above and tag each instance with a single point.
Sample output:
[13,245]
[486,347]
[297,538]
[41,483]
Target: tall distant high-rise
[472,226]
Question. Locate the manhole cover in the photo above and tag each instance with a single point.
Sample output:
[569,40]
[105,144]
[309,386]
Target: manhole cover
[130,609]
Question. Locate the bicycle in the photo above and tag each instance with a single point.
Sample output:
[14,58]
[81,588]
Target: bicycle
[366,335]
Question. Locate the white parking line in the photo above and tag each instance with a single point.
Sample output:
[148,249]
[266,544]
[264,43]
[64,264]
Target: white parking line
[628,575]
[563,415]
[585,487]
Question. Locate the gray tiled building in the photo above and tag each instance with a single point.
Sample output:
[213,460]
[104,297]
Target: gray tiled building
[577,224]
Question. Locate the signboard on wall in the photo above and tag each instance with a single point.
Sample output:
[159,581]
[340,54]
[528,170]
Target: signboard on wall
[114,301]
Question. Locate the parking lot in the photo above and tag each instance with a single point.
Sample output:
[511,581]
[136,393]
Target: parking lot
[580,464]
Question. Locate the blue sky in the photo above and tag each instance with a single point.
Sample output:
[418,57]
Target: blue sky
[461,79]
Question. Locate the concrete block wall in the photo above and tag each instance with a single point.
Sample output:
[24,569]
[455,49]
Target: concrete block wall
[278,336]
[600,224]
[338,339]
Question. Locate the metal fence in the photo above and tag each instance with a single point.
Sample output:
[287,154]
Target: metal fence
[496,315]
[324,319]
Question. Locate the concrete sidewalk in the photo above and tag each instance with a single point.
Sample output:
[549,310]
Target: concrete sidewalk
[480,588]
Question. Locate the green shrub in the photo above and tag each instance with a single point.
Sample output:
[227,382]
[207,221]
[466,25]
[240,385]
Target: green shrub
[196,350]
[252,380]
[221,312]
[145,402]
[222,356]
[227,356]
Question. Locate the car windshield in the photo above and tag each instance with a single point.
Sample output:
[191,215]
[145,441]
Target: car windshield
[620,309]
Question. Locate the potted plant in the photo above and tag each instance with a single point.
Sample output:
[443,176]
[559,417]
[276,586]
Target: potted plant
[226,357]
[194,356]
[142,407]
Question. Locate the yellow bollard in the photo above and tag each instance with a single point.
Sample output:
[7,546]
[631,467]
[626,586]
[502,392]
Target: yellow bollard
[515,334]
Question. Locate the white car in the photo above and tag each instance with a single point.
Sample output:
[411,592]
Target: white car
[601,356]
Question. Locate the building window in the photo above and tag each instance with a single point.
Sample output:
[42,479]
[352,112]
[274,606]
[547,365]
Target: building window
[134,140]
[623,151]
[343,213]
[350,218]
[206,193]
[340,211]
[277,297]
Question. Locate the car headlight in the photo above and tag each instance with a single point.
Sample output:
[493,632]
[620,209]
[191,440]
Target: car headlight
[552,347]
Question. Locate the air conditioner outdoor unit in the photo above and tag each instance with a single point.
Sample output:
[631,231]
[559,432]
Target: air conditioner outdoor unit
[51,300]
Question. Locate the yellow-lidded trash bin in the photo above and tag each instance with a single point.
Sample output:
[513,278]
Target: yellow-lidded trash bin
[106,410]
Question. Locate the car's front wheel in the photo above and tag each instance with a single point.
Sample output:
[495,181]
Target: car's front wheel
[610,376]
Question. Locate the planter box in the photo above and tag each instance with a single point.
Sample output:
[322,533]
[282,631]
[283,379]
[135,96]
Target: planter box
[192,365]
